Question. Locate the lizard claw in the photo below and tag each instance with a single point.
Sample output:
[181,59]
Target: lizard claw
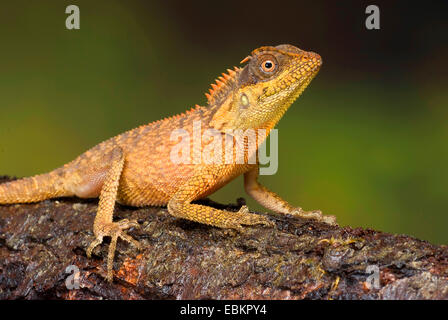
[114,230]
[314,214]
[248,218]
[244,209]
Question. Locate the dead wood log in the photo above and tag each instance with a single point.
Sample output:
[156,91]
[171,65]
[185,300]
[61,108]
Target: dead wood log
[298,259]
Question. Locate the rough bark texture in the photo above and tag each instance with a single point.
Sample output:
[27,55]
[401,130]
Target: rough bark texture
[297,259]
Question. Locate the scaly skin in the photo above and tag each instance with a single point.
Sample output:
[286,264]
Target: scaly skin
[135,168]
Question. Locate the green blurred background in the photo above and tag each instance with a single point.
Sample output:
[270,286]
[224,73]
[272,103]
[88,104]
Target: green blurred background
[367,141]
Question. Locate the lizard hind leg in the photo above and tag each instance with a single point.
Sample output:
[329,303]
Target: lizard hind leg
[103,225]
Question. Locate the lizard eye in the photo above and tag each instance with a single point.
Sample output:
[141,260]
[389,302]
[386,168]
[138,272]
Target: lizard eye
[268,65]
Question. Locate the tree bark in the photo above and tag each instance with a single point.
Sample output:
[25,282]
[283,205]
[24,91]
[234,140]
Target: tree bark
[179,259]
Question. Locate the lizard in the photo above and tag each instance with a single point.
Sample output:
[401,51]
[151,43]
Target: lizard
[135,168]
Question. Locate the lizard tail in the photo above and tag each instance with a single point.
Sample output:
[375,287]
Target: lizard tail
[33,189]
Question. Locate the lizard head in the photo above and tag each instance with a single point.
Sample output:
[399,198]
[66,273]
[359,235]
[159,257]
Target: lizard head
[257,95]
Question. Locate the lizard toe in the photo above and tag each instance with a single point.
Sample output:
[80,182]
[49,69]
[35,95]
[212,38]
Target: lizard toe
[314,214]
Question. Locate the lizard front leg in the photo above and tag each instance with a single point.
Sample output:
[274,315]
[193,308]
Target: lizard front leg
[180,204]
[272,201]
[103,225]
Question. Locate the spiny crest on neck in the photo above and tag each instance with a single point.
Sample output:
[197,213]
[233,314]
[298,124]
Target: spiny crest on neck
[224,84]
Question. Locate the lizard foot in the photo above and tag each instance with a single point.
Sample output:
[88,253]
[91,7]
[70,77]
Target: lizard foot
[244,217]
[315,214]
[114,230]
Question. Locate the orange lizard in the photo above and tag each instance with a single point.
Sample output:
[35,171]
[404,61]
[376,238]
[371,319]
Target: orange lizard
[135,168]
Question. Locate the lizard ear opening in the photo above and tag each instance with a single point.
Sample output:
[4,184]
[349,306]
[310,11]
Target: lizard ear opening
[244,101]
